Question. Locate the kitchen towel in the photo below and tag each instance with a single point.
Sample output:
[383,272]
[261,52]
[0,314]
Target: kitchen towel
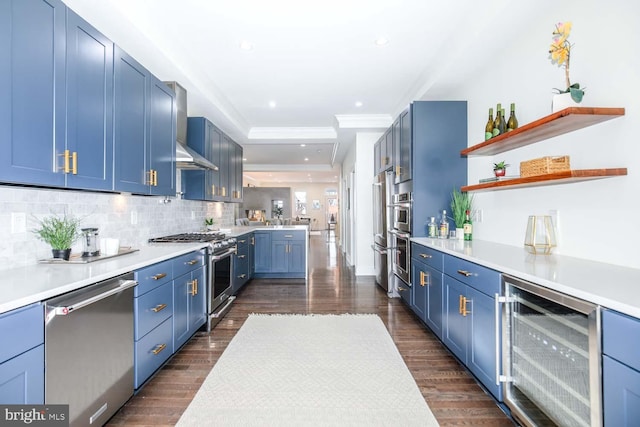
[310,370]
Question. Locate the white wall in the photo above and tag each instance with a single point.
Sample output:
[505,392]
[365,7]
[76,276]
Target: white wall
[593,215]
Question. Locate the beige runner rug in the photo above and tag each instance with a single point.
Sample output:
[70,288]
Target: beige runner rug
[310,370]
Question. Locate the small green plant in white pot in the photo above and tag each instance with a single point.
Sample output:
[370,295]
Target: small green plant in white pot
[209,224]
[60,232]
[460,204]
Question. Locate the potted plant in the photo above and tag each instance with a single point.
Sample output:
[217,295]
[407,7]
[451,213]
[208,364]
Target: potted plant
[500,168]
[560,55]
[60,232]
[209,224]
[460,204]
[278,211]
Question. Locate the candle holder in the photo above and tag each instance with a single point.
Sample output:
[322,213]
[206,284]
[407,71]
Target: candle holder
[540,237]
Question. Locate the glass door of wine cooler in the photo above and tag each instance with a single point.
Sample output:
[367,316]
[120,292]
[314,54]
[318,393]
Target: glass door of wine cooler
[551,356]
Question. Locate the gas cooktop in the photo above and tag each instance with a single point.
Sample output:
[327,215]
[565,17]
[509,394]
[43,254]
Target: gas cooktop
[212,236]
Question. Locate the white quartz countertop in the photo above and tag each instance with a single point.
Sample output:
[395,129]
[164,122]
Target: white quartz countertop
[33,283]
[25,285]
[608,285]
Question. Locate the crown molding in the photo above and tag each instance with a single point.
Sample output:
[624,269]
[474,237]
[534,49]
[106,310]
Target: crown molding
[292,133]
[360,121]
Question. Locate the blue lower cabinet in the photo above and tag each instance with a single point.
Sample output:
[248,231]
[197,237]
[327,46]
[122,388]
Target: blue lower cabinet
[262,252]
[280,254]
[189,310]
[621,391]
[152,351]
[22,378]
[405,291]
[427,295]
[241,260]
[470,331]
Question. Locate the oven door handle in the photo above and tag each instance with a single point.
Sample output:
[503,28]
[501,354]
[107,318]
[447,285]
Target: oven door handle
[400,234]
[381,250]
[223,255]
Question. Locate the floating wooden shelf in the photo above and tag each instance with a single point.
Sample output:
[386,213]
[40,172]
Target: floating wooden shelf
[555,124]
[548,179]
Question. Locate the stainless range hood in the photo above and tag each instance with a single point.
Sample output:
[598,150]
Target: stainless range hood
[186,158]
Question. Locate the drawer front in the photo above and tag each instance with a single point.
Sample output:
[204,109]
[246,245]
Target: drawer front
[153,276]
[621,338]
[152,308]
[429,256]
[21,330]
[187,262]
[287,235]
[243,240]
[22,379]
[483,279]
[152,351]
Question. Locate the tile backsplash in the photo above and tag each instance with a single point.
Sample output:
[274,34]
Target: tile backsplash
[132,219]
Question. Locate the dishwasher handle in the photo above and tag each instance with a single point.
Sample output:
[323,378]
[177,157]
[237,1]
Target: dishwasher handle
[68,309]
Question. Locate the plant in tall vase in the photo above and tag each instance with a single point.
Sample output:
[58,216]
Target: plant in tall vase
[461,202]
[560,55]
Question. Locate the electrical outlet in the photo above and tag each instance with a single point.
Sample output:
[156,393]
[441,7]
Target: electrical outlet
[134,217]
[18,222]
[476,215]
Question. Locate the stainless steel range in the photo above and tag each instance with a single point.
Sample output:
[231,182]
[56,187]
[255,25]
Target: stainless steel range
[219,269]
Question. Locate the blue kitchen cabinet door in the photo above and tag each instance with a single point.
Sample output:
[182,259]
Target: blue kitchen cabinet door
[386,154]
[89,105]
[204,138]
[131,87]
[403,149]
[225,155]
[252,254]
[213,154]
[262,252]
[456,332]
[297,259]
[32,106]
[162,138]
[419,289]
[279,256]
[189,306]
[198,302]
[22,378]
[483,353]
[377,156]
[621,391]
[236,191]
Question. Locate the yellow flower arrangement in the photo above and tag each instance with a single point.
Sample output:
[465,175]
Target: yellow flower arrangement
[560,55]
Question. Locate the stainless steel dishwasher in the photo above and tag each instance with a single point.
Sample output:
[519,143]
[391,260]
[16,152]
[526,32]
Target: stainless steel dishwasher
[89,350]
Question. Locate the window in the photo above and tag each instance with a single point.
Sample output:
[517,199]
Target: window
[301,202]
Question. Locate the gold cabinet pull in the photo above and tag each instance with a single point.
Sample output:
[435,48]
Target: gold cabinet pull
[288,236]
[194,287]
[224,191]
[192,262]
[150,180]
[401,289]
[65,161]
[158,308]
[74,163]
[464,310]
[253,240]
[155,178]
[242,241]
[241,256]
[424,278]
[425,256]
[159,276]
[196,280]
[465,273]
[158,348]
[460,304]
[398,170]
[242,276]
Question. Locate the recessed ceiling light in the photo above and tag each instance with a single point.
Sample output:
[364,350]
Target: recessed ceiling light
[272,104]
[246,45]
[306,159]
[303,145]
[381,41]
[358,103]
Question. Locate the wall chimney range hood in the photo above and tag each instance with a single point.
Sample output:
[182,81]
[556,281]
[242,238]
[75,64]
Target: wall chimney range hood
[186,158]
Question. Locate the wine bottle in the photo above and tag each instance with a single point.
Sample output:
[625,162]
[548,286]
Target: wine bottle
[467,226]
[503,118]
[497,123]
[512,123]
[488,129]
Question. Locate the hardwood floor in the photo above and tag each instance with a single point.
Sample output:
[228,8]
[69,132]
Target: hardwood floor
[450,391]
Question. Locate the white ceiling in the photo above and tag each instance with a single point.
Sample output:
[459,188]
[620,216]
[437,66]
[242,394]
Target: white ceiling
[314,59]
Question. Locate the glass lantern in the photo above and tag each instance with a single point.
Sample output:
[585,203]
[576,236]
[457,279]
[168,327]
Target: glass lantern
[541,235]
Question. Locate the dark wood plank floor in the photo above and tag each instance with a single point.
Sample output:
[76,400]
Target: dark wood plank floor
[451,392]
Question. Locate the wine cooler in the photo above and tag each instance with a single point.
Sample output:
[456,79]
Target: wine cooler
[551,356]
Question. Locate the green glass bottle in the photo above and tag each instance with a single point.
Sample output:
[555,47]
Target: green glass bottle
[498,123]
[488,129]
[512,123]
[467,226]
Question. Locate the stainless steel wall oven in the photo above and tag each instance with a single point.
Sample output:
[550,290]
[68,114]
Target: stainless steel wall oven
[401,260]
[402,212]
[551,356]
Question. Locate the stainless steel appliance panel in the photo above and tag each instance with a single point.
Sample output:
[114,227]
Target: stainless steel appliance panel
[402,207]
[401,255]
[219,289]
[551,356]
[89,350]
[381,215]
[380,266]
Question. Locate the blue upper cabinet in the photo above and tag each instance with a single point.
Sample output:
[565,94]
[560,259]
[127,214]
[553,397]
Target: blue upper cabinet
[162,138]
[89,106]
[131,87]
[32,106]
[205,139]
[403,147]
[145,130]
